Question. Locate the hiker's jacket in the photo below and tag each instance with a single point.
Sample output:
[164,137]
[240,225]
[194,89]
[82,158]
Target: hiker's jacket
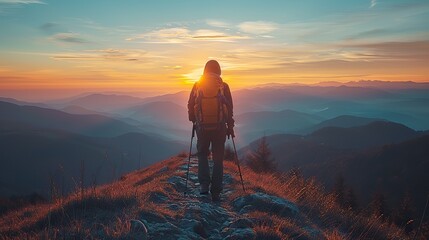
[228,97]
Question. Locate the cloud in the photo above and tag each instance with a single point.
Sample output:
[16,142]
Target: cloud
[109,54]
[257,27]
[175,67]
[7,5]
[69,38]
[211,34]
[217,23]
[50,28]
[392,51]
[370,34]
[373,3]
[21,2]
[182,35]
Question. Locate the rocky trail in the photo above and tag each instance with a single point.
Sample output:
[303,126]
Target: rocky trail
[204,219]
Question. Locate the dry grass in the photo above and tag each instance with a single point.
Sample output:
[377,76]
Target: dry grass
[318,208]
[104,211]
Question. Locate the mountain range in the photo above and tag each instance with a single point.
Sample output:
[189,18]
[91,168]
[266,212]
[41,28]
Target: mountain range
[39,143]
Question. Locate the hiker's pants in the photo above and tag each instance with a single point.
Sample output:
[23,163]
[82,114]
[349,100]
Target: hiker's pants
[217,141]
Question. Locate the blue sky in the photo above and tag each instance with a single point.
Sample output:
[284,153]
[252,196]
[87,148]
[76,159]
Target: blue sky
[162,45]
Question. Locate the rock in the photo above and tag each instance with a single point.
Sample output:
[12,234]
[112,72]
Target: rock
[138,230]
[206,219]
[157,197]
[265,203]
[192,226]
[188,223]
[151,217]
[227,178]
[240,234]
[163,231]
[179,183]
[173,207]
[241,223]
[200,230]
[184,167]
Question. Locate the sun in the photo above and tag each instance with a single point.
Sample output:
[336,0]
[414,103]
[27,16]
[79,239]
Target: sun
[193,76]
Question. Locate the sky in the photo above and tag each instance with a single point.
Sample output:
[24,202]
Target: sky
[58,48]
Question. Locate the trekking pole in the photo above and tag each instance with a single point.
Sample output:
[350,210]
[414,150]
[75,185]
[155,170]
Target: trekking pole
[238,163]
[189,159]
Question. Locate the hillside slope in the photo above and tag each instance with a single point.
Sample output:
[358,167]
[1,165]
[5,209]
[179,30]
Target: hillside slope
[150,204]
[31,156]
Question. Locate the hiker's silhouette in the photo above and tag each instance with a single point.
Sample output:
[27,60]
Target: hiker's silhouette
[210,109]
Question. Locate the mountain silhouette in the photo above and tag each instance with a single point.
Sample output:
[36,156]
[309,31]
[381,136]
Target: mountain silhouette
[165,113]
[349,92]
[253,125]
[91,125]
[73,109]
[344,121]
[104,102]
[22,103]
[380,157]
[180,98]
[330,143]
[394,169]
[372,134]
[30,156]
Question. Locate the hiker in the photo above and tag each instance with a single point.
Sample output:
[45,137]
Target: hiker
[210,109]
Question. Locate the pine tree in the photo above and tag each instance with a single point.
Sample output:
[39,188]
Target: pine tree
[379,206]
[339,191]
[404,214]
[260,160]
[350,200]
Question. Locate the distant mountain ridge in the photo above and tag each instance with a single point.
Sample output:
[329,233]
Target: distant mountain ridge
[105,102]
[372,134]
[253,125]
[92,125]
[22,103]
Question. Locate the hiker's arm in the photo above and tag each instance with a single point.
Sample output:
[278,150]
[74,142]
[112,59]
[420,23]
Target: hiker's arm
[228,96]
[191,103]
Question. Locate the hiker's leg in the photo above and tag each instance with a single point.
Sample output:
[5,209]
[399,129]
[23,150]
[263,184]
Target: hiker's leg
[203,145]
[218,148]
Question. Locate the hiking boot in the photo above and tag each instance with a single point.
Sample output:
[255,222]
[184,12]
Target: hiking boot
[215,197]
[204,189]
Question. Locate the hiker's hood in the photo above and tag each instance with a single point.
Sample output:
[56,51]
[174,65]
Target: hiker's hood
[212,67]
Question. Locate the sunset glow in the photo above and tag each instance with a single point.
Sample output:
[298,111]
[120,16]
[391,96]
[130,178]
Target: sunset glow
[55,49]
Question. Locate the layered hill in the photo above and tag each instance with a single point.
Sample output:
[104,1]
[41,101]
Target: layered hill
[330,143]
[90,125]
[32,157]
[378,158]
[104,102]
[253,125]
[150,204]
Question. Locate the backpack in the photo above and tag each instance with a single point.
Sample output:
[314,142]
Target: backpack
[211,106]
